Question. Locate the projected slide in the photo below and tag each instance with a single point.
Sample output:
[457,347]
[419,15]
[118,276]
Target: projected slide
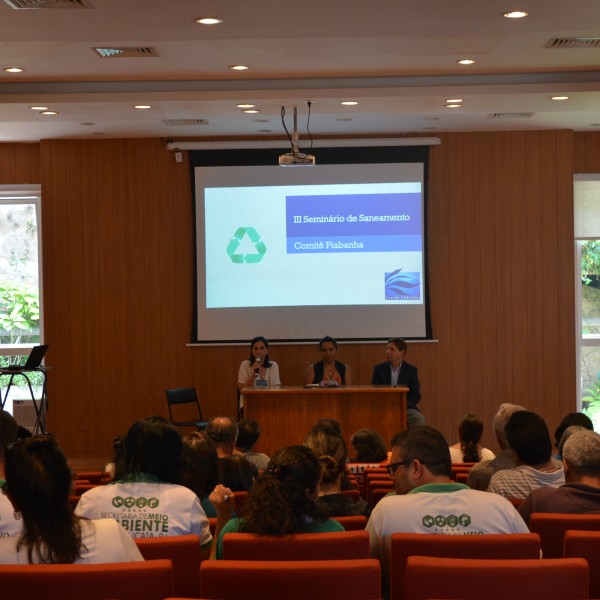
[299,253]
[313,245]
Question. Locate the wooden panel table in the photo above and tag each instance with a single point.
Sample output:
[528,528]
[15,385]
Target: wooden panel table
[286,414]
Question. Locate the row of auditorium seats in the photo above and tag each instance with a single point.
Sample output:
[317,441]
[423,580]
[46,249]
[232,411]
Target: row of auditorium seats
[422,566]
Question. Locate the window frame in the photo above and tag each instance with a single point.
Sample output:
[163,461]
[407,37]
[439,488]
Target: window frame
[27,194]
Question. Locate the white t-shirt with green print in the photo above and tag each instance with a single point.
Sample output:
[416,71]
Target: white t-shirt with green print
[147,507]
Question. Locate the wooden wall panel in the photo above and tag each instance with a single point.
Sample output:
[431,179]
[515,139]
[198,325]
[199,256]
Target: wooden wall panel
[19,164]
[118,269]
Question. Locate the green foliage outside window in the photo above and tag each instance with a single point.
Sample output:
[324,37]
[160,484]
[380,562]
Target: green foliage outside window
[590,262]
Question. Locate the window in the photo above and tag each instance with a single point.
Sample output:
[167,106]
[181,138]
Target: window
[20,282]
[587,293]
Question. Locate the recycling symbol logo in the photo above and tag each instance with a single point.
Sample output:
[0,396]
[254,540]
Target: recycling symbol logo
[253,237]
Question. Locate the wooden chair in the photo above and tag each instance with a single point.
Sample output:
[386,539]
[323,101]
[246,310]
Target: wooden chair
[185,554]
[149,580]
[520,579]
[585,544]
[551,528]
[338,545]
[352,523]
[179,397]
[404,545]
[293,580]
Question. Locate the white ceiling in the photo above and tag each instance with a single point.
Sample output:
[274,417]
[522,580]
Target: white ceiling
[397,58]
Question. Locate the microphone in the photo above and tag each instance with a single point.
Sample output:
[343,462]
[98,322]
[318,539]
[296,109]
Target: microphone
[256,370]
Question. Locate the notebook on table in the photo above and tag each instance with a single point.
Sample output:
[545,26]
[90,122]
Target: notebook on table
[34,360]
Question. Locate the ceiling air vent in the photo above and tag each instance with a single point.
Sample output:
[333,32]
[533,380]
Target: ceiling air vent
[126,52]
[46,4]
[511,115]
[175,122]
[573,43]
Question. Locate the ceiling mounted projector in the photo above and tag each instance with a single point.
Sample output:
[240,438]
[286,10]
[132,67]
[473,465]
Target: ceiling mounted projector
[295,158]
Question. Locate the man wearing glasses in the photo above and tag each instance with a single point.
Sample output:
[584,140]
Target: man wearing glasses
[427,501]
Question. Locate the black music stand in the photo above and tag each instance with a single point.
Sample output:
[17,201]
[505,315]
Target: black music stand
[41,407]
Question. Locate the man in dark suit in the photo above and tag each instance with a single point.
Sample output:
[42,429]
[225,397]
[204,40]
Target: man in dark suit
[396,372]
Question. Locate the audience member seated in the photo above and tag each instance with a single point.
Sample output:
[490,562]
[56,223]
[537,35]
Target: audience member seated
[368,446]
[328,371]
[38,484]
[481,473]
[111,468]
[248,434]
[9,523]
[529,439]
[397,372]
[236,473]
[581,492]
[223,431]
[469,449]
[427,501]
[330,492]
[570,419]
[284,499]
[325,439]
[147,500]
[200,468]
[258,370]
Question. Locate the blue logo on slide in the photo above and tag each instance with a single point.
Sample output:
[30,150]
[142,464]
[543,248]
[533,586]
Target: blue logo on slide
[253,239]
[402,286]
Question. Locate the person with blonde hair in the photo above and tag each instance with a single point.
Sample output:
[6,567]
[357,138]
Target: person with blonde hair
[330,492]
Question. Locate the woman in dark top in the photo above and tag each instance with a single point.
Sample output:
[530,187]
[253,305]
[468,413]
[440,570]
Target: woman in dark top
[328,371]
[330,493]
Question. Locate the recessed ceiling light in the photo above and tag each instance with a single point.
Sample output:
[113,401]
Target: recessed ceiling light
[49,112]
[143,106]
[238,67]
[14,70]
[560,97]
[453,106]
[38,107]
[466,61]
[209,21]
[251,111]
[349,103]
[246,105]
[515,14]
[453,100]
